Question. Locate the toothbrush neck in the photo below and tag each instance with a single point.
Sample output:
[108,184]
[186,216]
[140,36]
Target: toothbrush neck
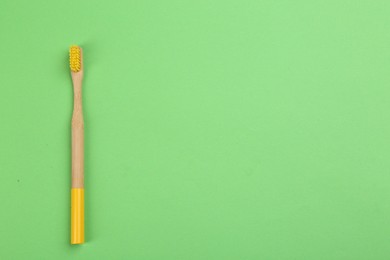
[77,97]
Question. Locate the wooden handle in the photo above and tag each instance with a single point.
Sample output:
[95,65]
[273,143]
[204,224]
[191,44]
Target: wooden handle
[77,191]
[77,134]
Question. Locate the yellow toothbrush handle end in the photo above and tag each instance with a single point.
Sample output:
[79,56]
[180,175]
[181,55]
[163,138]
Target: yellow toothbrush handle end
[77,216]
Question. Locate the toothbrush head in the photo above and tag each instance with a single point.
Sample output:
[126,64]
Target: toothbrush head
[75,58]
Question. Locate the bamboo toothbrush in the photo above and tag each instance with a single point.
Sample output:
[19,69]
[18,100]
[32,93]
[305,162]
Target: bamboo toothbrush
[77,191]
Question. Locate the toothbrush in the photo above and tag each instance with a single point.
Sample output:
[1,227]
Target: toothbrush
[77,190]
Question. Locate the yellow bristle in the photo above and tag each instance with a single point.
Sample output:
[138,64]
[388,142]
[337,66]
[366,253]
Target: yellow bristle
[75,58]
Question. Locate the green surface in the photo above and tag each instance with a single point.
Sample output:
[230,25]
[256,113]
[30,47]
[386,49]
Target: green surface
[214,129]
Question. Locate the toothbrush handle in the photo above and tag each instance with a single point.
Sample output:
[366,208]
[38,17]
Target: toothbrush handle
[77,192]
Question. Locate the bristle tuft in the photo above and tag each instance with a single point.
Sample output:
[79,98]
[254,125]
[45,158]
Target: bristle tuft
[75,58]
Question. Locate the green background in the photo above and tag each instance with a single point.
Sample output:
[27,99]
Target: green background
[214,129]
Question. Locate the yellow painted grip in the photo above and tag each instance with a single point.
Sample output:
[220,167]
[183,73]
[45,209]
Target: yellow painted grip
[77,216]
